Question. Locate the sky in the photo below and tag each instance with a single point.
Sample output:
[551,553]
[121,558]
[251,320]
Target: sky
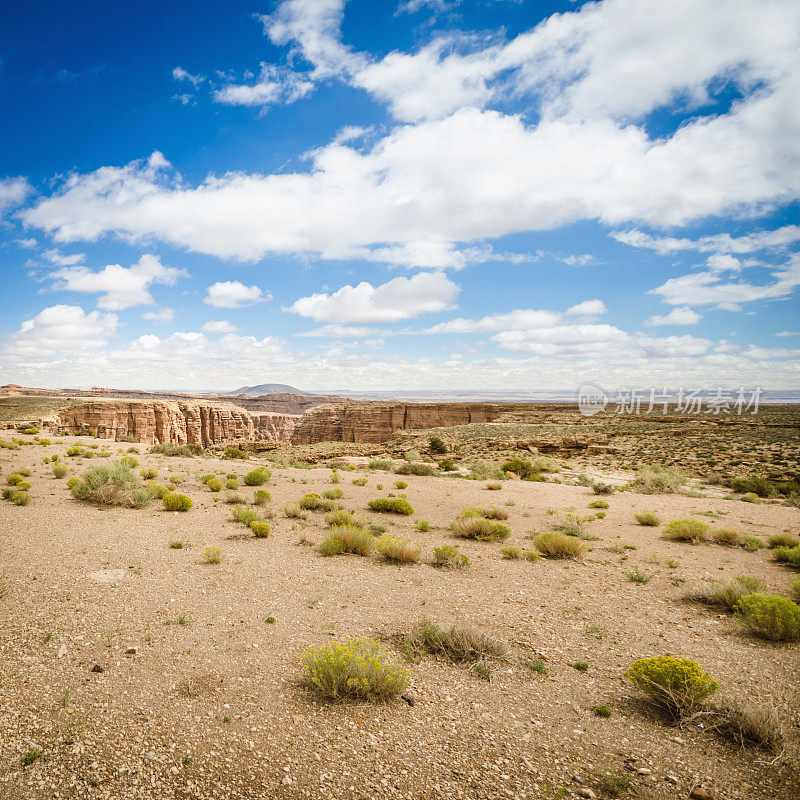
[400,195]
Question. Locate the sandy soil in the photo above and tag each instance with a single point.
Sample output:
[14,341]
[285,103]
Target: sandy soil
[216,708]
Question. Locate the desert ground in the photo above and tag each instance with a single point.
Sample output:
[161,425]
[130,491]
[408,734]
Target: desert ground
[132,668]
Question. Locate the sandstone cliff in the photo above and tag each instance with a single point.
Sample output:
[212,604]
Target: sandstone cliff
[153,421]
[374,423]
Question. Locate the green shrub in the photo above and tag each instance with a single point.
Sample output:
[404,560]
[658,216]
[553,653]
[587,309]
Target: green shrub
[72,481]
[329,505]
[310,502]
[177,450]
[727,537]
[485,470]
[460,643]
[294,511]
[381,463]
[358,668]
[480,529]
[795,589]
[752,543]
[359,481]
[422,525]
[148,473]
[602,710]
[449,556]
[530,555]
[657,479]
[231,483]
[391,505]
[129,461]
[20,497]
[492,512]
[214,484]
[394,548]
[558,545]
[260,528]
[341,517]
[141,497]
[750,497]
[25,472]
[333,494]
[782,540]
[753,484]
[257,477]
[234,453]
[330,547]
[157,490]
[400,485]
[787,555]
[729,593]
[677,685]
[261,497]
[350,539]
[59,470]
[524,469]
[14,479]
[598,487]
[598,504]
[771,616]
[176,502]
[244,515]
[437,446]
[112,485]
[415,469]
[686,530]
[511,553]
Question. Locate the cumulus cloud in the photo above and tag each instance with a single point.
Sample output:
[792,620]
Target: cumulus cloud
[398,299]
[13,192]
[119,287]
[61,329]
[165,314]
[274,85]
[683,315]
[233,294]
[219,326]
[710,287]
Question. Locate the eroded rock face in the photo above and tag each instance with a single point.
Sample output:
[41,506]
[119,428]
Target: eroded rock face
[373,423]
[153,422]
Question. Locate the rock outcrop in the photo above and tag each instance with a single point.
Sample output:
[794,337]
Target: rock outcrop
[373,423]
[154,421]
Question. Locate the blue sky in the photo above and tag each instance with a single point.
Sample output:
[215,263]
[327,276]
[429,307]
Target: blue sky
[369,195]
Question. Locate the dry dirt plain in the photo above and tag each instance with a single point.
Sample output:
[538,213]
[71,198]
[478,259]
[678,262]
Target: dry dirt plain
[216,708]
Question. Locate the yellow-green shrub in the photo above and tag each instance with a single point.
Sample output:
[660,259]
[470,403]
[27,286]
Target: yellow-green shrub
[392,505]
[685,530]
[310,502]
[257,477]
[771,616]
[348,539]
[394,548]
[558,545]
[260,528]
[480,529]
[176,502]
[680,686]
[214,484]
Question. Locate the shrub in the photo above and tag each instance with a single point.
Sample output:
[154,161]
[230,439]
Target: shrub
[260,528]
[333,494]
[602,710]
[782,540]
[610,782]
[176,502]
[411,455]
[494,486]
[787,555]
[598,487]
[524,469]
[294,511]
[400,485]
[391,505]
[244,515]
[447,465]
[59,470]
[752,543]
[572,524]
[449,556]
[558,545]
[745,724]
[235,498]
[354,668]
[437,446]
[415,469]
[141,497]
[484,470]
[14,479]
[685,530]
[261,497]
[72,481]
[753,484]
[511,553]
[157,490]
[728,537]
[751,497]
[481,529]
[359,481]
[655,479]
[129,461]
[771,616]
[214,484]
[179,450]
[350,539]
[257,477]
[530,555]
[329,505]
[729,593]
[341,517]
[20,498]
[381,463]
[795,589]
[330,547]
[422,525]
[545,464]
[310,502]
[637,576]
[235,453]
[679,686]
[107,485]
[598,504]
[492,512]
[212,555]
[460,643]
[231,483]
[148,473]
[393,548]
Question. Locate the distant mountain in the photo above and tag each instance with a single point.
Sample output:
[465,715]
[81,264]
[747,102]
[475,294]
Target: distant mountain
[268,388]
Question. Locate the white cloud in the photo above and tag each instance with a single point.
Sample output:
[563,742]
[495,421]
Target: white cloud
[274,85]
[717,243]
[233,294]
[180,74]
[164,314]
[13,192]
[344,332]
[708,287]
[60,259]
[219,326]
[400,298]
[683,315]
[119,287]
[61,329]
[788,333]
[588,308]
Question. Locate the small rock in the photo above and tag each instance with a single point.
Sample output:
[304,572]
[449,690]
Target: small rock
[587,793]
[96,668]
[131,651]
[672,779]
[408,699]
[62,651]
[700,794]
[644,771]
[287,781]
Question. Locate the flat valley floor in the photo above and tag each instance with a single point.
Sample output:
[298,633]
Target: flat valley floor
[201,695]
